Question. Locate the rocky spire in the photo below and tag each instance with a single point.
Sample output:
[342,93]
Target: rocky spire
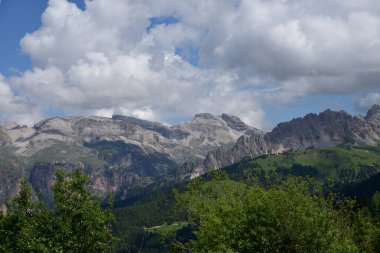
[234,122]
[373,114]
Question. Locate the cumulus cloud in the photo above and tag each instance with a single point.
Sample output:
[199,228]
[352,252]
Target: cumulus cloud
[368,100]
[330,45]
[103,60]
[14,107]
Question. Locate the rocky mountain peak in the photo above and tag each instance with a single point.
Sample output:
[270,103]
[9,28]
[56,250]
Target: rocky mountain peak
[373,113]
[207,130]
[206,116]
[124,151]
[55,124]
[330,114]
[234,122]
[165,131]
[325,129]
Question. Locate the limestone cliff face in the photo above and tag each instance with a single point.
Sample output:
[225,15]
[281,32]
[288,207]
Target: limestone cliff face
[328,128]
[234,122]
[202,134]
[116,153]
[122,152]
[373,119]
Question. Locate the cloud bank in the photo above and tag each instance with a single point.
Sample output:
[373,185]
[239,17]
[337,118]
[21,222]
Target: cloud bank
[110,58]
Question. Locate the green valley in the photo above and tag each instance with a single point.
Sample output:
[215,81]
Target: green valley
[335,168]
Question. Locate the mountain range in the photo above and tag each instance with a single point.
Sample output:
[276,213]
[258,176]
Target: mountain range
[122,152]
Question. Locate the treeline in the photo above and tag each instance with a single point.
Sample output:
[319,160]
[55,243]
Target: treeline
[131,222]
[258,211]
[265,212]
[294,215]
[76,223]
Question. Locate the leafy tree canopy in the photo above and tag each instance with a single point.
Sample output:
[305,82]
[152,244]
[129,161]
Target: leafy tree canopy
[77,223]
[293,216]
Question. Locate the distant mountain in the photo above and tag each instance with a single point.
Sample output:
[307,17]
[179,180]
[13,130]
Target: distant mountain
[326,129]
[116,153]
[122,152]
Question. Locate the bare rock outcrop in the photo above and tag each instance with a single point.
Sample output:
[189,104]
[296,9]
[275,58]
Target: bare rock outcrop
[328,128]
[116,153]
[121,152]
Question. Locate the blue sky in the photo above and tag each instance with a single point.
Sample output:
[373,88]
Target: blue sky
[180,59]
[13,28]
[18,17]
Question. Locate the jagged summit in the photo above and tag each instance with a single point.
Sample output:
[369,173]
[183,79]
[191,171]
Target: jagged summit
[205,116]
[375,107]
[122,151]
[373,112]
[116,152]
[232,121]
[327,128]
[235,122]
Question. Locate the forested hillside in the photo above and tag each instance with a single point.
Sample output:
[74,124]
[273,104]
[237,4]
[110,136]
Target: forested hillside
[334,170]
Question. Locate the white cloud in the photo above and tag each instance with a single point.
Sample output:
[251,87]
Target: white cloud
[14,107]
[368,100]
[103,61]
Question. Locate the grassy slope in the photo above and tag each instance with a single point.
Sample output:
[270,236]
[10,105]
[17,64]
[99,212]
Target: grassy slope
[327,163]
[337,163]
[167,228]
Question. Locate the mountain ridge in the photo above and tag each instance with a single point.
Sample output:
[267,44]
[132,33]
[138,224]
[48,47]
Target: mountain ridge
[328,128]
[122,152]
[117,152]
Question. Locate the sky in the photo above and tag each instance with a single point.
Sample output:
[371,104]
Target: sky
[266,61]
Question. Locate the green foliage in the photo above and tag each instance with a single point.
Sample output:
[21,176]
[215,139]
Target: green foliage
[257,213]
[367,226]
[366,233]
[26,227]
[83,225]
[292,217]
[328,166]
[131,221]
[322,219]
[341,165]
[75,224]
[375,203]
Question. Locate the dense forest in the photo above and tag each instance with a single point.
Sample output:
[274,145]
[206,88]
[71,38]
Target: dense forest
[345,182]
[315,200]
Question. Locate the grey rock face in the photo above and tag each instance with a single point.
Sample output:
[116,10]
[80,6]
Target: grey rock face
[4,138]
[206,116]
[373,118]
[167,132]
[328,128]
[234,122]
[121,152]
[117,152]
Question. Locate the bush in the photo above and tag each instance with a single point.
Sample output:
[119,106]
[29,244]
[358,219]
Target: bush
[291,217]
[77,223]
